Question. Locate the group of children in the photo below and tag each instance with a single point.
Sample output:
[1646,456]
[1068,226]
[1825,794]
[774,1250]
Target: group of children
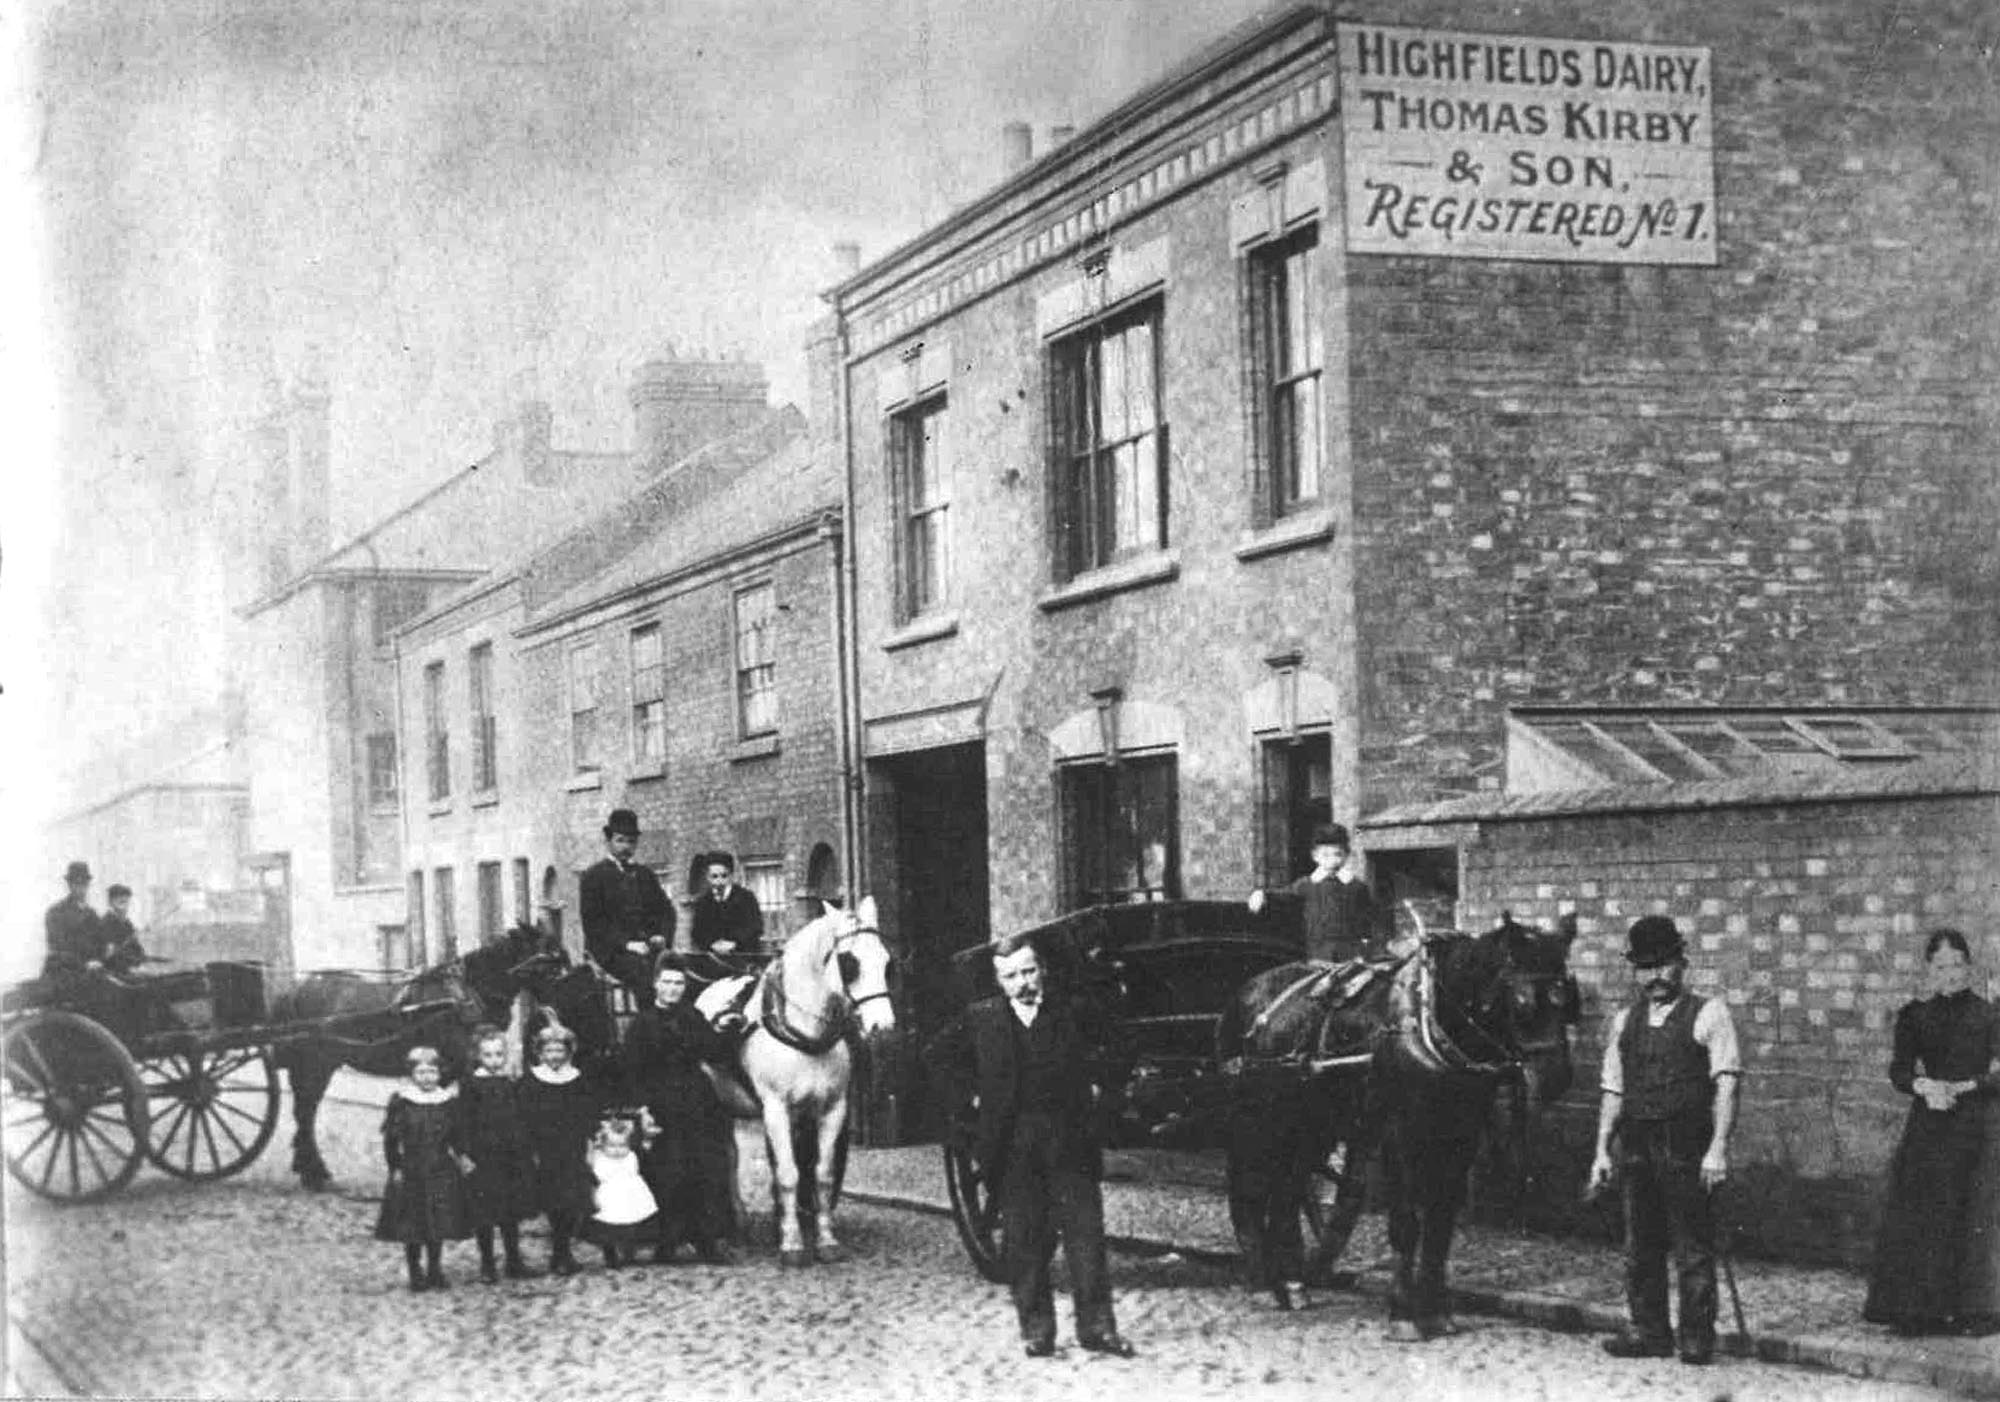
[480,1157]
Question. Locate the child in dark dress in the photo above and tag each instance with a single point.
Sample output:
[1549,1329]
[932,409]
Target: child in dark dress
[423,1204]
[560,1109]
[500,1188]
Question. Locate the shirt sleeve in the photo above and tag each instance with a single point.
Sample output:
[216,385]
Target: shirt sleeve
[1611,1080]
[1716,1030]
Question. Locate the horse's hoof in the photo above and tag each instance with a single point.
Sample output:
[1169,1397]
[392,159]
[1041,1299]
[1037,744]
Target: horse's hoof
[1443,1327]
[316,1182]
[797,1257]
[831,1254]
[1403,1331]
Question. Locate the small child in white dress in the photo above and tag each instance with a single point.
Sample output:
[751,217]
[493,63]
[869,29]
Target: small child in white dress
[624,1215]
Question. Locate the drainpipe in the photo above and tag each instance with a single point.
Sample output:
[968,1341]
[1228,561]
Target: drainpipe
[847,600]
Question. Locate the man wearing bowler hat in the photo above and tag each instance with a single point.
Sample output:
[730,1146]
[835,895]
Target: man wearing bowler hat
[76,941]
[1671,1068]
[627,919]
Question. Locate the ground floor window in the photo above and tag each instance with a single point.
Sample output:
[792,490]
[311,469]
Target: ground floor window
[1295,781]
[491,914]
[764,877]
[1120,830]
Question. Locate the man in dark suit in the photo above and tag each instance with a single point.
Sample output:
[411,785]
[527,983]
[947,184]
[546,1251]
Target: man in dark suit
[628,922]
[76,940]
[1036,1069]
[726,917]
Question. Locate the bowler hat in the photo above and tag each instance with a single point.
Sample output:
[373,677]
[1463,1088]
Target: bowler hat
[1653,939]
[623,822]
[114,891]
[77,871]
[1332,835]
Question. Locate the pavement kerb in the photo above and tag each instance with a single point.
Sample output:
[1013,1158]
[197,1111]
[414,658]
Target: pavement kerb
[1853,1359]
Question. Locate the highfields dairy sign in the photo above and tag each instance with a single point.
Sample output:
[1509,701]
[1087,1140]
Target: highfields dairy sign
[1490,146]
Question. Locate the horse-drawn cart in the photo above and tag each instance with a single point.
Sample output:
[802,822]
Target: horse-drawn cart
[1164,972]
[102,1072]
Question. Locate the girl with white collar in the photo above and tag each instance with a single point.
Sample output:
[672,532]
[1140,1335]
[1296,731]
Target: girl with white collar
[423,1204]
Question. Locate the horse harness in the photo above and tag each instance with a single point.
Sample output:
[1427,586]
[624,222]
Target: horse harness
[775,1008]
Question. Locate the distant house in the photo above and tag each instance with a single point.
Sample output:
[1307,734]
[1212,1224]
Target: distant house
[325,750]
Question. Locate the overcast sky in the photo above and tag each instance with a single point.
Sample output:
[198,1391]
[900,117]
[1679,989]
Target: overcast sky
[444,206]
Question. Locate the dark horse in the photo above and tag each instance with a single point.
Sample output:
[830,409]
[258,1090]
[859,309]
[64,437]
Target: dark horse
[1330,1065]
[370,1021]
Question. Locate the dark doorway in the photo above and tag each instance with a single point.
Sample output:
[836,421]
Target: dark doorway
[940,855]
[1297,781]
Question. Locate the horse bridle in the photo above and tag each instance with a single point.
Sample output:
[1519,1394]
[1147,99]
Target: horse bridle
[1433,1047]
[846,983]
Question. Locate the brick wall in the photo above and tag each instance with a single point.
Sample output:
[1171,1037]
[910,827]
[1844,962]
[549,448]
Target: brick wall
[1768,481]
[1810,920]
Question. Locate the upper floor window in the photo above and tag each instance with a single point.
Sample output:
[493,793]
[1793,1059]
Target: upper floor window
[1120,830]
[922,482]
[1288,355]
[584,684]
[756,661]
[649,699]
[437,749]
[397,601]
[485,725]
[382,770]
[1110,470]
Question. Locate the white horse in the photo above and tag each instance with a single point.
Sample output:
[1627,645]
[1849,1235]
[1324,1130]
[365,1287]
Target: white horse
[831,980]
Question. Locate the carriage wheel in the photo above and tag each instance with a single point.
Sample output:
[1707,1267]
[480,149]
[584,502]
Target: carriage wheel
[74,1108]
[217,1110]
[974,1211]
[1334,1198]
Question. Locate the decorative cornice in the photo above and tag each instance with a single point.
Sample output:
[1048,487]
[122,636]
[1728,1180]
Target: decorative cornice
[1301,105]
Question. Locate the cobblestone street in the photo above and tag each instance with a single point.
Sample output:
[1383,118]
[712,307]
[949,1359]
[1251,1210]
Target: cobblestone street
[252,1288]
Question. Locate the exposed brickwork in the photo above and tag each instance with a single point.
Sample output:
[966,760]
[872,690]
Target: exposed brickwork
[1810,920]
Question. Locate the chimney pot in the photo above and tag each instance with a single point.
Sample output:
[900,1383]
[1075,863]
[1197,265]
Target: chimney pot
[1017,147]
[847,257]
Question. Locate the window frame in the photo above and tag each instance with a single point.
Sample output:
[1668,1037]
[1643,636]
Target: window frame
[437,734]
[921,592]
[763,876]
[586,755]
[1275,384]
[479,682]
[1083,468]
[444,891]
[491,881]
[649,699]
[384,777]
[1106,785]
[755,682]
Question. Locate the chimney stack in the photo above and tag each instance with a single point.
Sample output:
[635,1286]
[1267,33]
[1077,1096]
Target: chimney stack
[310,451]
[1060,136]
[682,404]
[847,258]
[537,429]
[1017,148]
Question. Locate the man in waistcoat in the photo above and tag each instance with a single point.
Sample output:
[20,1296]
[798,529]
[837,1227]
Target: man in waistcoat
[627,919]
[1037,1069]
[1671,1070]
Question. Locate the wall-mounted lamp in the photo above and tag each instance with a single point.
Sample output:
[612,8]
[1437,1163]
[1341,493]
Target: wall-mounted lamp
[1286,665]
[1108,699]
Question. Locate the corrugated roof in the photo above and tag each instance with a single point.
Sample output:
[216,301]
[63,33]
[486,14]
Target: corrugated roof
[1959,774]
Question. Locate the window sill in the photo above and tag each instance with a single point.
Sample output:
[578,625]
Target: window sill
[1288,533]
[440,807]
[486,798]
[382,810]
[1152,568]
[647,774]
[583,783]
[921,630]
[756,747]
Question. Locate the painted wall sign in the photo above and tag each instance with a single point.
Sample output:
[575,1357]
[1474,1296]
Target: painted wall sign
[1489,146]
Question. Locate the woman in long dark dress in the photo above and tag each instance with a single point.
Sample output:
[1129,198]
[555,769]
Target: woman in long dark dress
[1945,1053]
[561,1109]
[687,1164]
[423,1204]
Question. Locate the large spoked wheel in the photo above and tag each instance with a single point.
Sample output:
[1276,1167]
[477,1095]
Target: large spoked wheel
[1335,1196]
[74,1123]
[213,1111]
[975,1211]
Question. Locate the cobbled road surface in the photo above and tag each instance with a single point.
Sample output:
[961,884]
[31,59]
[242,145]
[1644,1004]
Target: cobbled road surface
[251,1288]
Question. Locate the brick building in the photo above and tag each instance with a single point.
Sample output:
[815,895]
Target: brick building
[325,749]
[1180,521]
[695,679]
[488,765]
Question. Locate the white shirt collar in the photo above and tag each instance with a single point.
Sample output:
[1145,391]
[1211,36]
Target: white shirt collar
[428,1097]
[555,1078]
[1024,1013]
